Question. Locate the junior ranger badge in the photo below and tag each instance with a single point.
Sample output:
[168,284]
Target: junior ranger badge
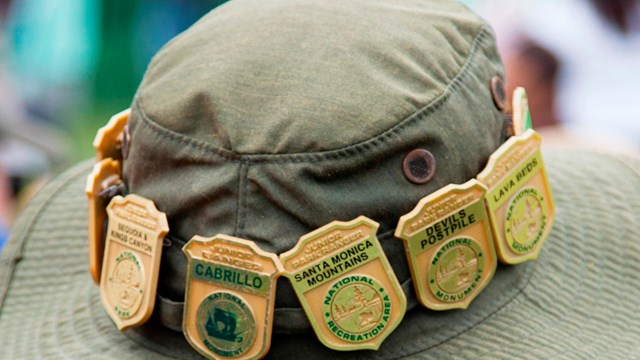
[521,114]
[132,259]
[111,138]
[105,174]
[448,242]
[518,198]
[346,285]
[230,297]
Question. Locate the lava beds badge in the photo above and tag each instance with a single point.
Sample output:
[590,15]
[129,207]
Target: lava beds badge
[518,198]
[230,296]
[346,285]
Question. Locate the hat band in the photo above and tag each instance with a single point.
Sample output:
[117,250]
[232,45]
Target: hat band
[453,240]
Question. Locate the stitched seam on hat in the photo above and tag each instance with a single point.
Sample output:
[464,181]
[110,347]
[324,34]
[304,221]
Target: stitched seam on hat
[243,171]
[17,244]
[386,136]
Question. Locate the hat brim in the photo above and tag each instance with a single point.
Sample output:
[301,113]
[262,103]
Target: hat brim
[578,300]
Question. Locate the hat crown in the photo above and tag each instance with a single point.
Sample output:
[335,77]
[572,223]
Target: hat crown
[284,77]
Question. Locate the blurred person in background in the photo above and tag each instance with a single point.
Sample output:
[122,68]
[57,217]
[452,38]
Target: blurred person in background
[580,64]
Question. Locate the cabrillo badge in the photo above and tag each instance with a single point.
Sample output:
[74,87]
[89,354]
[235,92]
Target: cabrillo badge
[346,285]
[132,259]
[449,246]
[109,138]
[105,174]
[229,305]
[518,198]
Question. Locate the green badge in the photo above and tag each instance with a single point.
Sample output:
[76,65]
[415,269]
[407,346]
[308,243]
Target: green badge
[230,296]
[346,285]
[518,198]
[449,246]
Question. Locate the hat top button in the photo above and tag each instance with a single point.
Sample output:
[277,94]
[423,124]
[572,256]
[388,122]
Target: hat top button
[419,166]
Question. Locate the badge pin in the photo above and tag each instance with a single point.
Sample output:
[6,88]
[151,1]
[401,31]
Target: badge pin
[345,284]
[230,297]
[105,173]
[132,259]
[109,138]
[518,198]
[447,238]
[521,114]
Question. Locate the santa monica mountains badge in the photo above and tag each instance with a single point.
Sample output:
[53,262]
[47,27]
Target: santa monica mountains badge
[346,285]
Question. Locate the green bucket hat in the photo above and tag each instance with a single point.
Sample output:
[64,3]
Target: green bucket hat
[268,120]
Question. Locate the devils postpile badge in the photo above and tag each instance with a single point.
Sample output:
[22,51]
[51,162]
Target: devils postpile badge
[132,259]
[230,297]
[518,198]
[346,285]
[449,246]
[105,174]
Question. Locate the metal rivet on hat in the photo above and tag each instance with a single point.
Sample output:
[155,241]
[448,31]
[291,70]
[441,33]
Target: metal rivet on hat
[498,93]
[419,166]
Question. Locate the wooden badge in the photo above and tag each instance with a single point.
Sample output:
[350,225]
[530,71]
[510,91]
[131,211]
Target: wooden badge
[132,259]
[230,297]
[109,139]
[345,284]
[521,114]
[105,173]
[519,198]
[449,246]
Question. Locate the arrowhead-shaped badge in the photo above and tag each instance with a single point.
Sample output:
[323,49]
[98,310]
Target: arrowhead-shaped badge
[132,259]
[230,297]
[448,242]
[518,198]
[346,285]
[109,138]
[105,173]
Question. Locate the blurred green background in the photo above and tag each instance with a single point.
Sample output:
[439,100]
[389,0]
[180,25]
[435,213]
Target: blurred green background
[68,65]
